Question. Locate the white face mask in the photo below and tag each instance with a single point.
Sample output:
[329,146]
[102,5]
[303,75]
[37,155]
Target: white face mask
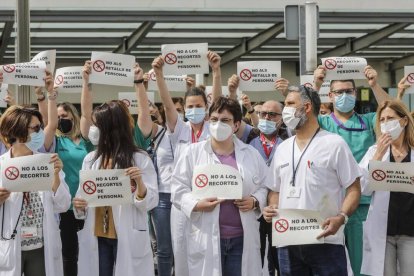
[393,128]
[289,118]
[93,135]
[220,131]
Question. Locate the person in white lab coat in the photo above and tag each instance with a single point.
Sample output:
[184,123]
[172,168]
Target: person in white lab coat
[30,241]
[115,239]
[224,236]
[388,245]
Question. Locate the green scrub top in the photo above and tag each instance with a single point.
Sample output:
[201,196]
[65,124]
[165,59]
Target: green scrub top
[358,141]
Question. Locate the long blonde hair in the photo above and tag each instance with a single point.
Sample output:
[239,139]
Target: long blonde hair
[75,132]
[402,111]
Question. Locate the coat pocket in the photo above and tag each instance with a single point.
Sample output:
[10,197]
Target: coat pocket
[140,243]
[7,254]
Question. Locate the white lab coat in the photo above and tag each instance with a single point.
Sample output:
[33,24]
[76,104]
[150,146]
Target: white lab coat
[203,242]
[375,227]
[10,251]
[134,254]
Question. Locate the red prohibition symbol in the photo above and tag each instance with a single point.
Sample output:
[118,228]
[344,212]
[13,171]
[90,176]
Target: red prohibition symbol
[379,175]
[9,68]
[201,180]
[281,225]
[98,66]
[410,78]
[170,58]
[330,64]
[152,76]
[246,74]
[59,80]
[12,173]
[89,187]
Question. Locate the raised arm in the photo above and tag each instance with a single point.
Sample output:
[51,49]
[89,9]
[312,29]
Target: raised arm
[372,77]
[86,100]
[282,86]
[144,118]
[248,105]
[232,85]
[42,103]
[170,112]
[214,61]
[52,115]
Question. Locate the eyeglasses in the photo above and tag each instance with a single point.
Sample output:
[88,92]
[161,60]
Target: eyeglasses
[342,91]
[36,128]
[263,114]
[223,120]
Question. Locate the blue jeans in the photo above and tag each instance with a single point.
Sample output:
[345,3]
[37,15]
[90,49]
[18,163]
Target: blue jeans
[161,217]
[107,249]
[231,256]
[313,259]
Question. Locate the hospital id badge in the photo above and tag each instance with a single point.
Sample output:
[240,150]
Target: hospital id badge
[28,232]
[293,192]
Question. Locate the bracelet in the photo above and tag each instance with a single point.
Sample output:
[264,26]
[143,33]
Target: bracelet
[139,198]
[41,99]
[53,96]
[139,81]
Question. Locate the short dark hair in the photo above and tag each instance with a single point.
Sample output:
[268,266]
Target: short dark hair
[228,104]
[196,91]
[310,95]
[15,122]
[350,80]
[179,100]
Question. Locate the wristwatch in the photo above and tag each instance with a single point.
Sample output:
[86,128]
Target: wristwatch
[345,217]
[139,81]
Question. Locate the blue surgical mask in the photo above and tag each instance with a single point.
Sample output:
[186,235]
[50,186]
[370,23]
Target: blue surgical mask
[37,139]
[345,103]
[267,127]
[195,115]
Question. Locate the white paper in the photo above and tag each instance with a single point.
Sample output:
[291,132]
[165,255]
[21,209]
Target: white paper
[3,94]
[344,68]
[174,83]
[69,79]
[49,57]
[105,187]
[258,75]
[296,227]
[130,100]
[217,180]
[28,73]
[306,80]
[390,176]
[112,69]
[28,173]
[181,59]
[409,70]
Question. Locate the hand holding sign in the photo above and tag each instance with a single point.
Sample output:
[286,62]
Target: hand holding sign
[383,144]
[79,203]
[269,212]
[138,72]
[214,60]
[190,82]
[86,71]
[319,76]
[282,86]
[4,195]
[245,204]
[403,85]
[207,204]
[135,174]
[371,75]
[49,83]
[331,226]
[233,84]
[157,66]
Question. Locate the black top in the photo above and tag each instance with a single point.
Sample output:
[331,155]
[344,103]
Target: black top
[401,209]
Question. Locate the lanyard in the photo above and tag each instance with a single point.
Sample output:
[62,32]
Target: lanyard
[267,150]
[295,170]
[341,125]
[194,138]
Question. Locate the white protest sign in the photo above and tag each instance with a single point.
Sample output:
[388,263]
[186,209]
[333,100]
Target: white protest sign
[306,80]
[69,79]
[27,173]
[224,90]
[49,57]
[258,75]
[344,68]
[112,69]
[174,83]
[180,59]
[390,176]
[216,180]
[130,100]
[3,94]
[409,72]
[28,73]
[296,227]
[105,187]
